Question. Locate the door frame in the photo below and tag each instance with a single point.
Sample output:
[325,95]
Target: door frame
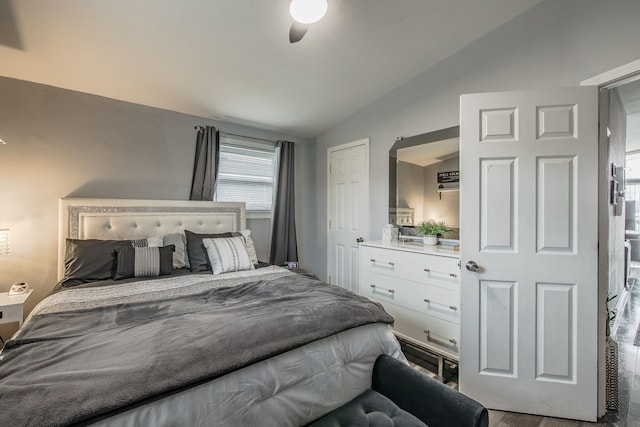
[604,80]
[365,142]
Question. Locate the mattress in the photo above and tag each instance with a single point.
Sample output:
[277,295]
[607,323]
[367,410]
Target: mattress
[291,389]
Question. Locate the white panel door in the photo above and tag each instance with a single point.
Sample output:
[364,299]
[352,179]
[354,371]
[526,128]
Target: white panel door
[348,210]
[529,196]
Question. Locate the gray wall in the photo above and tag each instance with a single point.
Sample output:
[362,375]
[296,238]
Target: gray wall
[62,143]
[410,189]
[556,43]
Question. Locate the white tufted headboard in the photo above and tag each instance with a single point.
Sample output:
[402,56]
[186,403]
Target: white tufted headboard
[122,219]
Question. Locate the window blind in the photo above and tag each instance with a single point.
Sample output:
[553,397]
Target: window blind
[246,174]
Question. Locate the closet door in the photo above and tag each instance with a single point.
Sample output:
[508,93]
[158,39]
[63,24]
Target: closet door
[348,212]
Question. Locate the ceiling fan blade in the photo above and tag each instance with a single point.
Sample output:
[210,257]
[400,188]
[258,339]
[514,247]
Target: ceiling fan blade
[297,32]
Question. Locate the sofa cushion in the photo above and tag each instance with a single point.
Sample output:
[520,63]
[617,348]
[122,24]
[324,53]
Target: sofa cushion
[368,409]
[426,398]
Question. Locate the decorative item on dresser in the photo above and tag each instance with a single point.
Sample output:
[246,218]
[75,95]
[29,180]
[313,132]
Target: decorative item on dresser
[432,229]
[420,287]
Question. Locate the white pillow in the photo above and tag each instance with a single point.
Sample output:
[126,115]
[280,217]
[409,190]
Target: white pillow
[227,254]
[251,249]
[180,257]
[154,242]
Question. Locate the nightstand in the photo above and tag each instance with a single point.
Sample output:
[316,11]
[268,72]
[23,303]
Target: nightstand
[12,307]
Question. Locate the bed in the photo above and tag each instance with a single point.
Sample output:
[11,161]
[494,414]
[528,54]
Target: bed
[245,346]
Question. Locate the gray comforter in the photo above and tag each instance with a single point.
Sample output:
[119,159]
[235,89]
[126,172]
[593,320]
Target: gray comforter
[82,358]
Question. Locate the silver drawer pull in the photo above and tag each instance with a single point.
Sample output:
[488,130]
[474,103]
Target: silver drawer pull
[452,307]
[429,333]
[373,261]
[428,270]
[391,291]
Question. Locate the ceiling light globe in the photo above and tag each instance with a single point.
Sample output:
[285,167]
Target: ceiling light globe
[307,11]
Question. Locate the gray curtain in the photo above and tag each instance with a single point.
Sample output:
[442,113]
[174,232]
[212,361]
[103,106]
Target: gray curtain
[205,168]
[284,246]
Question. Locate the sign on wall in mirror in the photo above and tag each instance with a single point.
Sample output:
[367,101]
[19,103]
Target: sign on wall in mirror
[448,177]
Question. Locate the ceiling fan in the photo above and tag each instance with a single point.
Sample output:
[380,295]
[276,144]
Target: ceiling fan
[304,13]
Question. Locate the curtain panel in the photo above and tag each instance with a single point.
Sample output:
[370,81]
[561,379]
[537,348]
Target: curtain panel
[284,245]
[207,160]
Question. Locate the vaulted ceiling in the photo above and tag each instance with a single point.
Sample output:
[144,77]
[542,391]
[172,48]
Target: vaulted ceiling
[231,59]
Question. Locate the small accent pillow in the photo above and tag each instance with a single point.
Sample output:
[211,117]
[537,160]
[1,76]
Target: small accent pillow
[144,262]
[248,241]
[196,251]
[180,258]
[227,255]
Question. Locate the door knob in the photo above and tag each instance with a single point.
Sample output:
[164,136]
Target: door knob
[360,239]
[472,266]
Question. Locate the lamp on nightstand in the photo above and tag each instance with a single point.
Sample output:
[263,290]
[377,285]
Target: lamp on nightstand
[4,242]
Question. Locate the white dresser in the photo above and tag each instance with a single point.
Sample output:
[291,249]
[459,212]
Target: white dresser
[420,287]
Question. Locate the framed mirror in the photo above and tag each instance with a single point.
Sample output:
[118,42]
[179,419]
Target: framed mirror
[424,180]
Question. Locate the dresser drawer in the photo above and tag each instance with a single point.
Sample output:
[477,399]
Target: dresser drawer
[437,270]
[424,298]
[428,331]
[434,269]
[383,261]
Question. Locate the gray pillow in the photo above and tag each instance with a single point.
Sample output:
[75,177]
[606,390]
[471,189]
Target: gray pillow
[90,260]
[144,262]
[179,240]
[198,258]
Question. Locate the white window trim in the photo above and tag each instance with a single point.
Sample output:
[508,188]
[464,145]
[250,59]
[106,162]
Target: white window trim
[259,214]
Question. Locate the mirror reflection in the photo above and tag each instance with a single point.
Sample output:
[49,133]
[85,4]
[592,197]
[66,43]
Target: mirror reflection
[424,180]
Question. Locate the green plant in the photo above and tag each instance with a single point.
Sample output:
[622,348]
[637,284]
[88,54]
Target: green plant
[433,227]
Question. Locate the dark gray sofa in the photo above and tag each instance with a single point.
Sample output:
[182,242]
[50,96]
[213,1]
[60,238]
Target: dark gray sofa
[402,396]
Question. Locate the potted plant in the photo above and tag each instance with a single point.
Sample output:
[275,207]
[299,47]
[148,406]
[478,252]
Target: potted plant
[431,229]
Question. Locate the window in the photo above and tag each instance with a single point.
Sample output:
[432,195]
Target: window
[246,174]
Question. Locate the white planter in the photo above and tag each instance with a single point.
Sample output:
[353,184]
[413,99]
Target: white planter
[430,239]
